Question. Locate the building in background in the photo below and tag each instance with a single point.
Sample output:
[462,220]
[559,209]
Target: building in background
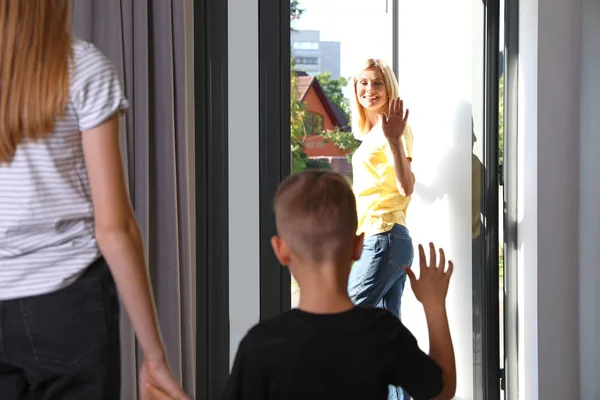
[313,55]
[323,115]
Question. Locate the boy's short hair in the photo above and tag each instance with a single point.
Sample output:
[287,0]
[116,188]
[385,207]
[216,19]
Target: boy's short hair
[315,213]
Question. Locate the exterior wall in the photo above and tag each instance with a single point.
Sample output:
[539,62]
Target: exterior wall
[316,147]
[330,58]
[314,143]
[549,157]
[307,36]
[328,53]
[314,104]
[341,165]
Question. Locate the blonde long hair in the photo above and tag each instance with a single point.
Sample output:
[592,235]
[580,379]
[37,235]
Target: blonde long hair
[359,117]
[35,50]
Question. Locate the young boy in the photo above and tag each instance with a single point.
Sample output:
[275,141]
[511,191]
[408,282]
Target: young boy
[328,348]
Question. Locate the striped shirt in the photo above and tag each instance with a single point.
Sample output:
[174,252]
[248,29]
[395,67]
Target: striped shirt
[46,215]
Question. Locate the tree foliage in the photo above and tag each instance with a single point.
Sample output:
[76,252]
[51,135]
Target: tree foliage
[297,108]
[340,137]
[295,10]
[333,88]
[297,130]
[343,140]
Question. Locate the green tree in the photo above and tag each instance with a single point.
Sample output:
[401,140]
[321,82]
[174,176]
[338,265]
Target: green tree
[321,163]
[297,108]
[343,140]
[297,130]
[295,10]
[333,88]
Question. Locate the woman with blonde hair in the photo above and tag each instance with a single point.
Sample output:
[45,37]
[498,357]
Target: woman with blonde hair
[383,183]
[69,239]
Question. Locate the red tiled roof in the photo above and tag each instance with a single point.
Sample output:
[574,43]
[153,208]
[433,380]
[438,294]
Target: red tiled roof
[304,83]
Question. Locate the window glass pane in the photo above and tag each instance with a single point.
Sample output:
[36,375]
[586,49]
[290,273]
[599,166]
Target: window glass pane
[317,123]
[331,51]
[306,45]
[447,120]
[440,51]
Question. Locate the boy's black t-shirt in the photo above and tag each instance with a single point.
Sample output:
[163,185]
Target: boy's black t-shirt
[351,355]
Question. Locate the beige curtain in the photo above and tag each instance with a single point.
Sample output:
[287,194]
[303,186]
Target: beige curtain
[149,42]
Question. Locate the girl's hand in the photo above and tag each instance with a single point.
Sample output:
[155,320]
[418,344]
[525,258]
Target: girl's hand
[157,394]
[155,379]
[394,122]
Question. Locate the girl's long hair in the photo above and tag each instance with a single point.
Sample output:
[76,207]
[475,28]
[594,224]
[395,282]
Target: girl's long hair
[35,50]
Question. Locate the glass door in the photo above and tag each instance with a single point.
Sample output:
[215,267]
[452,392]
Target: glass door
[446,57]
[329,41]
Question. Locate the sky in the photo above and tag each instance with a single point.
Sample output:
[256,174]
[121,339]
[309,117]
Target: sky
[363,28]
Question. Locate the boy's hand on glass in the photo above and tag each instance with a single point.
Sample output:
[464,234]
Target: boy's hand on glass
[432,286]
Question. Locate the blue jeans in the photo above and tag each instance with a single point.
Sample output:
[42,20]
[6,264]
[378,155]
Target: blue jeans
[377,279]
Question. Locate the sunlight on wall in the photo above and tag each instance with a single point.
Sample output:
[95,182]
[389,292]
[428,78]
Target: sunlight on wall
[441,75]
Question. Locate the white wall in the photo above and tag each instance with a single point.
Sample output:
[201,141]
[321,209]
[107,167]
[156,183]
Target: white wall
[548,205]
[589,198]
[527,201]
[441,77]
[244,257]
